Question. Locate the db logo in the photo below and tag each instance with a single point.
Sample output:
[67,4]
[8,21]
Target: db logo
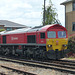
[14,38]
[57,41]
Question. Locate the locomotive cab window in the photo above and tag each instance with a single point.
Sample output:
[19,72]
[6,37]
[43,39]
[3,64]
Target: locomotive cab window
[42,35]
[61,34]
[51,34]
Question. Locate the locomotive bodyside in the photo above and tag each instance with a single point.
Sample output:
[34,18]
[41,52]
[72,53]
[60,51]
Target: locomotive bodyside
[43,42]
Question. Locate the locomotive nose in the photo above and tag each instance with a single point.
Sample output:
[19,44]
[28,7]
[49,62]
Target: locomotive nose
[55,48]
[56,44]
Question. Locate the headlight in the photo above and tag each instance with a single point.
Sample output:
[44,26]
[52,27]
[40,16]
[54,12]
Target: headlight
[64,45]
[49,45]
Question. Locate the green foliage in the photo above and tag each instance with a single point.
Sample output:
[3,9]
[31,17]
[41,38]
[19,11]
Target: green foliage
[2,30]
[50,14]
[71,44]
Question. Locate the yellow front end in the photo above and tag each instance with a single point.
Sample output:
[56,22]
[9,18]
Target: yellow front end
[56,44]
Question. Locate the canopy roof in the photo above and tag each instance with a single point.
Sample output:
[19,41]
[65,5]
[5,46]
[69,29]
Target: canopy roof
[68,1]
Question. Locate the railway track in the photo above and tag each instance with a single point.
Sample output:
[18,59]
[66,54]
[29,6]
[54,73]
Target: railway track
[2,73]
[17,70]
[61,65]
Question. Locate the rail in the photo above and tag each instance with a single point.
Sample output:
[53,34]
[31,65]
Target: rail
[17,70]
[48,65]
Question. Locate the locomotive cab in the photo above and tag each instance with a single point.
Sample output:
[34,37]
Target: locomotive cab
[56,42]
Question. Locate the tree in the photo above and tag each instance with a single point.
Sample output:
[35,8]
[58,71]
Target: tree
[50,15]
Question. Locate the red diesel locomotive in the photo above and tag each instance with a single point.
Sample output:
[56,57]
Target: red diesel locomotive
[48,41]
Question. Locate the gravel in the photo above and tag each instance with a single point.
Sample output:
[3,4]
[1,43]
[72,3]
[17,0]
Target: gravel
[35,70]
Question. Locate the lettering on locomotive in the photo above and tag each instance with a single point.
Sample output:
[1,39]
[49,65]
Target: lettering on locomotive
[14,38]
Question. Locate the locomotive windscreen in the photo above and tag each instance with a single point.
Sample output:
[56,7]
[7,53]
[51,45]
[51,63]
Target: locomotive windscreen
[31,39]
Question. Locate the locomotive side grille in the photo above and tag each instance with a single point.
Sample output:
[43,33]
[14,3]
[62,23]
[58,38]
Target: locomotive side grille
[4,39]
[31,39]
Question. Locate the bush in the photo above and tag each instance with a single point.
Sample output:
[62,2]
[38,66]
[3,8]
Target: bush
[71,47]
[71,44]
[2,30]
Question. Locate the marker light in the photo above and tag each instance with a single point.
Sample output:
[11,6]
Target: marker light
[49,45]
[64,45]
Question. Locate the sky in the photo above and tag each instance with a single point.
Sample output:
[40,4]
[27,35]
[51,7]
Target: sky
[28,12]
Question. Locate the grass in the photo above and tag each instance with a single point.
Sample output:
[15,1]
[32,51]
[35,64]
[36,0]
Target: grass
[71,58]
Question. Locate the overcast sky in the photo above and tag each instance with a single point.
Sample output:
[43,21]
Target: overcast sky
[28,12]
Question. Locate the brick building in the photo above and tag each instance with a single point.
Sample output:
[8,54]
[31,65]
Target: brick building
[69,16]
[8,25]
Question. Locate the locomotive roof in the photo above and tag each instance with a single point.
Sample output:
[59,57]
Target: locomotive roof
[2,32]
[43,28]
[39,28]
[22,30]
[52,26]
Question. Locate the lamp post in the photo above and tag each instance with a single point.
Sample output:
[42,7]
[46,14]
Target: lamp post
[44,14]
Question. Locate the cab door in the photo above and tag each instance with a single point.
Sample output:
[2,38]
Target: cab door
[42,38]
